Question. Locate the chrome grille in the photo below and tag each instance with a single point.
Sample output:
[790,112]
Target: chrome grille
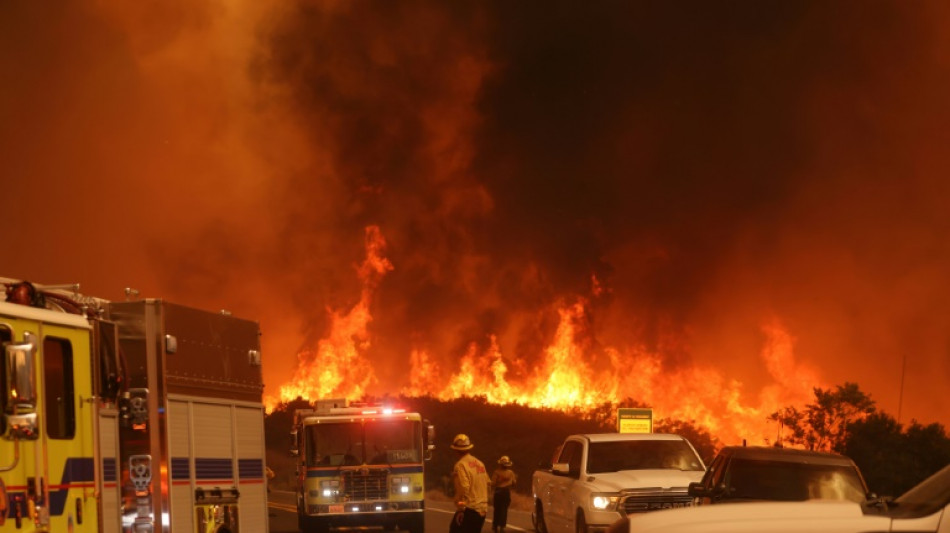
[654,501]
[365,484]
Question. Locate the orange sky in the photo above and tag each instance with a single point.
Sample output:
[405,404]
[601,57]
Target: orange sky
[729,175]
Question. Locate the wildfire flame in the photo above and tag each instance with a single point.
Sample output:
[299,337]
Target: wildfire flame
[338,367]
[566,380]
[571,375]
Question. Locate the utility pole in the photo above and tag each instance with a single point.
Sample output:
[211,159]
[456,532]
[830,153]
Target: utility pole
[900,399]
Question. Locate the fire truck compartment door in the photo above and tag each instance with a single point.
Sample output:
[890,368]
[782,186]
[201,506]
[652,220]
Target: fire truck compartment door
[109,488]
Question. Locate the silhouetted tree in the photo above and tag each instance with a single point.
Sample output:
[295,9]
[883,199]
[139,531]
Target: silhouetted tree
[705,443]
[875,444]
[927,449]
[823,425]
[894,459]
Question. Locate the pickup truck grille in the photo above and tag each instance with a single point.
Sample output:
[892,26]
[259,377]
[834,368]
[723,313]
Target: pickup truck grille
[365,484]
[654,501]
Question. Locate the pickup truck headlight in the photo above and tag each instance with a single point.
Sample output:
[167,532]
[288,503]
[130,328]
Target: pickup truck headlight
[604,501]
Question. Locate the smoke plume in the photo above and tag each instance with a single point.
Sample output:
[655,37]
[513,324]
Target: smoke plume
[707,179]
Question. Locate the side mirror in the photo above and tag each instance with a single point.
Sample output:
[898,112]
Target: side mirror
[561,469]
[21,387]
[696,489]
[294,452]
[20,416]
[430,440]
[110,367]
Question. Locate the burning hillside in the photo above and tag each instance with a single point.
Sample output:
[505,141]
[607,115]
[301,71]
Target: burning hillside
[572,373]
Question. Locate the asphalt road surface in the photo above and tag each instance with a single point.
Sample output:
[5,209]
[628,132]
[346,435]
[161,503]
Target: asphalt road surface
[283,516]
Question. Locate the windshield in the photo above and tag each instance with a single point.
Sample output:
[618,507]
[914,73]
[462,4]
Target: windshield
[787,481]
[366,442]
[642,455]
[334,444]
[926,498]
[393,441]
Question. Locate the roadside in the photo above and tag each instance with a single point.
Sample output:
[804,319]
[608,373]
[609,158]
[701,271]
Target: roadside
[519,501]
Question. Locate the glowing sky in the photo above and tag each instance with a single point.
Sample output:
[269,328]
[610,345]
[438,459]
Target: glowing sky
[697,172]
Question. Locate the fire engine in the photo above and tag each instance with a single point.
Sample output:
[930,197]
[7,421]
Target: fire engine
[360,465]
[137,416]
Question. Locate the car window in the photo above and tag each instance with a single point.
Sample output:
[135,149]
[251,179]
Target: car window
[571,454]
[642,455]
[789,481]
[714,476]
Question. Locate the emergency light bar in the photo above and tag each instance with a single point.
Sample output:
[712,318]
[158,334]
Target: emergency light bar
[385,411]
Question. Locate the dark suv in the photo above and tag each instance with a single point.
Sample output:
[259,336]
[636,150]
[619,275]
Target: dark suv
[746,473]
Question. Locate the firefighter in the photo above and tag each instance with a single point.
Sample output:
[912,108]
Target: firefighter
[270,474]
[471,488]
[502,480]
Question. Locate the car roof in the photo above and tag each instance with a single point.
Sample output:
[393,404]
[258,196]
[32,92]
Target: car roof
[758,517]
[621,437]
[792,455]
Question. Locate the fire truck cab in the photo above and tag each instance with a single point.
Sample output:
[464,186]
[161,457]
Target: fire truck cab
[360,465]
[140,416]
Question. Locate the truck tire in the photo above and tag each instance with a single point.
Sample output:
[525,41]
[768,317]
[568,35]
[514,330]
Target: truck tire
[538,518]
[309,524]
[417,524]
[580,524]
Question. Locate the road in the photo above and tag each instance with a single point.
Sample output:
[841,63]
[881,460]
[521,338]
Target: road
[283,516]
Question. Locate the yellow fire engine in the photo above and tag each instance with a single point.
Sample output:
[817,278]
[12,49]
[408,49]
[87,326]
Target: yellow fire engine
[139,416]
[360,465]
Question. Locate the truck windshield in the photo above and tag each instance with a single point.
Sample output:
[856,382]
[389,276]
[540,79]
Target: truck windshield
[334,445]
[393,441]
[641,455]
[364,442]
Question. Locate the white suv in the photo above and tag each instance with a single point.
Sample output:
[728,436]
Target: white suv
[924,508]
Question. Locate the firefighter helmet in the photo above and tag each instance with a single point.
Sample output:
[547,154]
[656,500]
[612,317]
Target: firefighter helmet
[461,443]
[505,461]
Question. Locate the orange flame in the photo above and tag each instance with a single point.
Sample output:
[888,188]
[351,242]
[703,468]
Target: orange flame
[571,374]
[338,367]
[571,378]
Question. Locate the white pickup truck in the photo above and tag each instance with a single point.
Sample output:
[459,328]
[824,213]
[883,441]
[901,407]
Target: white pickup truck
[598,478]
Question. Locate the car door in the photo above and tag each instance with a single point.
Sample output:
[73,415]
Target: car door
[67,429]
[561,510]
[53,478]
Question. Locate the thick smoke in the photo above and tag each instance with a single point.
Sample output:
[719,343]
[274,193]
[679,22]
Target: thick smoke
[711,168]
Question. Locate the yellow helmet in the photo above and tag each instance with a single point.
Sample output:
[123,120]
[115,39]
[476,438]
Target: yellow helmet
[461,443]
[505,461]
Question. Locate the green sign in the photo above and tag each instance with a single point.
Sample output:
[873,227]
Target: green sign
[635,420]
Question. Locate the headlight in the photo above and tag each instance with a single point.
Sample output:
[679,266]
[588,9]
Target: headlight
[400,485]
[604,501]
[329,488]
